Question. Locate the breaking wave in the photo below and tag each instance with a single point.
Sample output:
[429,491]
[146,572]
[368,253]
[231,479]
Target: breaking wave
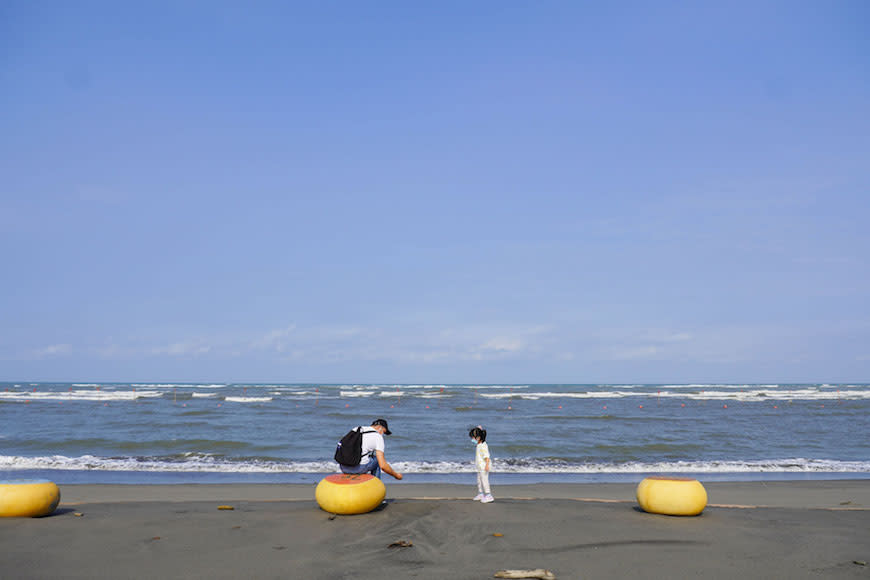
[199,462]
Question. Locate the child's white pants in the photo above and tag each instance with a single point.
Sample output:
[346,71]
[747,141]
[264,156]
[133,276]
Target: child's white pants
[483,482]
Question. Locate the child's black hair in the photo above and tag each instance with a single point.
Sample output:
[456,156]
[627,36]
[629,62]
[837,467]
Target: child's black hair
[478,433]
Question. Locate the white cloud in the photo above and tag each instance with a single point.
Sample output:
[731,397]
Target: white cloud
[426,343]
[504,344]
[114,351]
[634,353]
[406,344]
[53,350]
[274,339]
[295,342]
[188,348]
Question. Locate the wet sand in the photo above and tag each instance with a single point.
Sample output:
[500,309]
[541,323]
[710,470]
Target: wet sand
[806,529]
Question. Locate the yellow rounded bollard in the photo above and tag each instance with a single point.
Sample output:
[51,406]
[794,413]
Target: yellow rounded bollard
[672,496]
[350,494]
[25,498]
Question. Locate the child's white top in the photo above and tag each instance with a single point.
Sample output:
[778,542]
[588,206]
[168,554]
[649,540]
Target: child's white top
[481,456]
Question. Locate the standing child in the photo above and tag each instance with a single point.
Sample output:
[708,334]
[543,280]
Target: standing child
[483,464]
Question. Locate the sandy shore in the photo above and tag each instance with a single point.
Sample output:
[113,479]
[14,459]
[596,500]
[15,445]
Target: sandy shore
[809,529]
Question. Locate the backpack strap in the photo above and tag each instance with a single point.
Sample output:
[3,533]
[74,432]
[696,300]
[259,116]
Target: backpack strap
[361,432]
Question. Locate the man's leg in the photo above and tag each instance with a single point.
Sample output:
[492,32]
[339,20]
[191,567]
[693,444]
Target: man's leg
[357,469]
[370,467]
[373,467]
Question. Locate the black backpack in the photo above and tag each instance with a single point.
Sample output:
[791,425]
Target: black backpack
[349,449]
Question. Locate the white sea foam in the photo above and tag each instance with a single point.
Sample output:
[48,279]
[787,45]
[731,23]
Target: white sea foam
[796,465]
[79,395]
[192,463]
[248,399]
[753,395]
[586,395]
[203,395]
[414,394]
[393,388]
[177,386]
[196,462]
[806,394]
[356,393]
[743,393]
[699,387]
[488,387]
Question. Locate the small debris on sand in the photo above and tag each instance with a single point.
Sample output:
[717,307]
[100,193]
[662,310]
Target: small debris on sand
[538,573]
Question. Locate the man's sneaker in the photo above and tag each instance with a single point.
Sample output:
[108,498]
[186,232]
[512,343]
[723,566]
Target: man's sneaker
[479,497]
[487,498]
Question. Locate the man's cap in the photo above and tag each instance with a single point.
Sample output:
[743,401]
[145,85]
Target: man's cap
[382,423]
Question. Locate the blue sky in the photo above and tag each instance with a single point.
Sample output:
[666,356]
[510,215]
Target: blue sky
[491,192]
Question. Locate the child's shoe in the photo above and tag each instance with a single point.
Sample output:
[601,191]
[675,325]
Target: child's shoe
[487,498]
[479,497]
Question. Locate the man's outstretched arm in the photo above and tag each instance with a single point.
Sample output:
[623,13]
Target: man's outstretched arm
[385,467]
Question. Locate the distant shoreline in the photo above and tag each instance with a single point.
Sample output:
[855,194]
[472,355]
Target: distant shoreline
[83,477]
[791,494]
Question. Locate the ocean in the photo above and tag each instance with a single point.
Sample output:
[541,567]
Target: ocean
[286,433]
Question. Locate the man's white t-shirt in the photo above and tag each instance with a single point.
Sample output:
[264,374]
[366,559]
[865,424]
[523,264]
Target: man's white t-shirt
[371,441]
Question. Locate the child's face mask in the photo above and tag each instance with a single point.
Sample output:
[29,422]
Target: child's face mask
[474,441]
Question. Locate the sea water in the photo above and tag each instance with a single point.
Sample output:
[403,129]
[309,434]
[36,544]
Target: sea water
[221,433]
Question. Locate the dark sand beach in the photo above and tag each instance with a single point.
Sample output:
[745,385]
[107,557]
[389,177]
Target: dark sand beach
[806,529]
